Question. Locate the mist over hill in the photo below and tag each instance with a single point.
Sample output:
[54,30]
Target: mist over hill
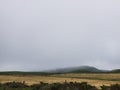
[77,69]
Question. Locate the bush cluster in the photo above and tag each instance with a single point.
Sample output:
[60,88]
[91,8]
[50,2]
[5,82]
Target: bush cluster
[55,86]
[63,86]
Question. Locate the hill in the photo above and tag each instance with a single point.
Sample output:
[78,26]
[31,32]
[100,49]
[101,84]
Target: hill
[115,71]
[80,69]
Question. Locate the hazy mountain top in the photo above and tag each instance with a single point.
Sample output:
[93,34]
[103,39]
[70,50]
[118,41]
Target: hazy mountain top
[79,69]
[76,69]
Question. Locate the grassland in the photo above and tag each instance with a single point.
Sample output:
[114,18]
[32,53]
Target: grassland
[93,79]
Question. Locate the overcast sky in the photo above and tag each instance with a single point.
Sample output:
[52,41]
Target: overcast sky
[48,34]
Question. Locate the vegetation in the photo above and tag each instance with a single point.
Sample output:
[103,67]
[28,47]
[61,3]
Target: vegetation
[62,79]
[93,79]
[93,76]
[24,73]
[55,86]
[112,87]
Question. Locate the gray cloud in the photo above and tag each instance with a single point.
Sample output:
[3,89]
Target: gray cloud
[39,35]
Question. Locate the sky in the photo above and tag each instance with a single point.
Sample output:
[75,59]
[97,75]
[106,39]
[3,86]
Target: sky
[47,34]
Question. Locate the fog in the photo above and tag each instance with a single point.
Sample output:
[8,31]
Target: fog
[48,34]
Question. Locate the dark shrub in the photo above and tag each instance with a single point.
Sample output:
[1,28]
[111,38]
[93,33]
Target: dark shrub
[105,87]
[115,87]
[15,85]
[55,86]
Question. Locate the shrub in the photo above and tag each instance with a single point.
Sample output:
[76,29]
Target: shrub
[55,86]
[15,85]
[105,87]
[115,87]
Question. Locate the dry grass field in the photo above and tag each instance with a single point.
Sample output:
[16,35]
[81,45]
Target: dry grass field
[93,79]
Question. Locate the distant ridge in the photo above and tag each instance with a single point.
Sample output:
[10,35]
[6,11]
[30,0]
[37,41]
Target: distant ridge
[115,71]
[79,69]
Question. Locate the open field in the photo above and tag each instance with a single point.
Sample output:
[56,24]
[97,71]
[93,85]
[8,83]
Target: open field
[93,79]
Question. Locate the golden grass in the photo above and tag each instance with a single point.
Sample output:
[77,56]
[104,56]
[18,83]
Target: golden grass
[93,79]
[107,77]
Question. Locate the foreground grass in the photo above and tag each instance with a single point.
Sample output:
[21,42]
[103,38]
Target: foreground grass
[93,79]
[55,86]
